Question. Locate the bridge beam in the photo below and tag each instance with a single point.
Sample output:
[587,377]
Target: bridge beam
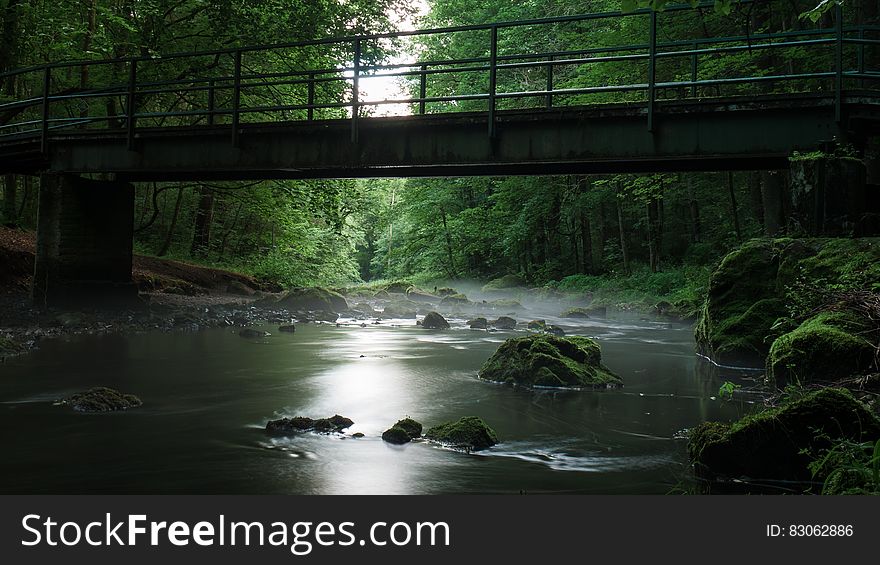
[84,243]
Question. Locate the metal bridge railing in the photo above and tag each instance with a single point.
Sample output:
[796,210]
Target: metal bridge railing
[230,86]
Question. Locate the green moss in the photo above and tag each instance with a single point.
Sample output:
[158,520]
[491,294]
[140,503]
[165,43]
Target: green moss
[826,347]
[779,444]
[537,325]
[547,360]
[766,280]
[470,433]
[314,299]
[288,426]
[399,287]
[101,399]
[506,304]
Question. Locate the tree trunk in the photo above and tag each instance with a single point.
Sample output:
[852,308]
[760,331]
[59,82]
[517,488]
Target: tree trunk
[733,207]
[10,193]
[755,197]
[771,196]
[586,242]
[694,207]
[623,250]
[448,244]
[170,235]
[653,214]
[203,220]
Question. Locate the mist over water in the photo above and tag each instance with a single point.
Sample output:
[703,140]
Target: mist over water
[208,395]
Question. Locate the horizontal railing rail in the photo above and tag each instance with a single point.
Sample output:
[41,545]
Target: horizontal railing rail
[229,87]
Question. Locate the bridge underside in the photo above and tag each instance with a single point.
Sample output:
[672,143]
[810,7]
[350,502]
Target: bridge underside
[689,136]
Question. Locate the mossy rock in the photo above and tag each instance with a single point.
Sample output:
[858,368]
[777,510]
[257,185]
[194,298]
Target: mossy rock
[313,299]
[418,295]
[382,295]
[410,426]
[470,433]
[101,399]
[446,291]
[288,426]
[827,347]
[778,444]
[504,323]
[549,361]
[401,309]
[455,301]
[396,436]
[434,321]
[504,283]
[365,309]
[398,287]
[576,313]
[250,333]
[478,323]
[747,292]
[506,305]
[287,329]
[555,330]
[537,325]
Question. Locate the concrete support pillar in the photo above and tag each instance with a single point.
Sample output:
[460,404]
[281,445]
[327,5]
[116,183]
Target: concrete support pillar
[84,243]
[828,194]
[772,199]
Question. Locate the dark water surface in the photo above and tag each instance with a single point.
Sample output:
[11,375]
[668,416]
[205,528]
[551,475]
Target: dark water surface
[207,395]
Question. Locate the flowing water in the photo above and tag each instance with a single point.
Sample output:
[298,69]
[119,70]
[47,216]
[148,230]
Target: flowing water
[208,394]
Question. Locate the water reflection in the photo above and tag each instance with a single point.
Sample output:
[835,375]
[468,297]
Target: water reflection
[207,395]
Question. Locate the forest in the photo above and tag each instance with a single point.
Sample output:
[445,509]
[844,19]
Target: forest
[739,302]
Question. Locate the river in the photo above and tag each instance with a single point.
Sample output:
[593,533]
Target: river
[208,394]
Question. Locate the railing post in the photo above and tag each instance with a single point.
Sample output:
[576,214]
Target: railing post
[44,132]
[694,73]
[236,98]
[493,79]
[838,64]
[130,106]
[423,89]
[652,70]
[311,110]
[549,99]
[211,85]
[355,94]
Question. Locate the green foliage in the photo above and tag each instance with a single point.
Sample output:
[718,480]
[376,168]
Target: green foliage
[849,467]
[727,390]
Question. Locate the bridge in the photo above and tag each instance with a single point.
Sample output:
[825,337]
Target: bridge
[260,112]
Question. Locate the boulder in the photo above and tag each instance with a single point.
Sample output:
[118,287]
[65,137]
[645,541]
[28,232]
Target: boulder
[549,361]
[828,347]
[238,288]
[288,426]
[779,444]
[506,305]
[469,433]
[396,436]
[313,299]
[504,323]
[434,321]
[555,330]
[101,399]
[398,287]
[400,309]
[478,323]
[382,295]
[506,282]
[365,309]
[403,432]
[417,295]
[250,333]
[576,313]
[289,329]
[455,301]
[537,325]
[446,291]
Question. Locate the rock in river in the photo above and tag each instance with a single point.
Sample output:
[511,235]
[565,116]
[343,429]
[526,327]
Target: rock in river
[504,323]
[313,299]
[288,329]
[250,333]
[288,426]
[434,321]
[478,323]
[101,399]
[470,433]
[546,360]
